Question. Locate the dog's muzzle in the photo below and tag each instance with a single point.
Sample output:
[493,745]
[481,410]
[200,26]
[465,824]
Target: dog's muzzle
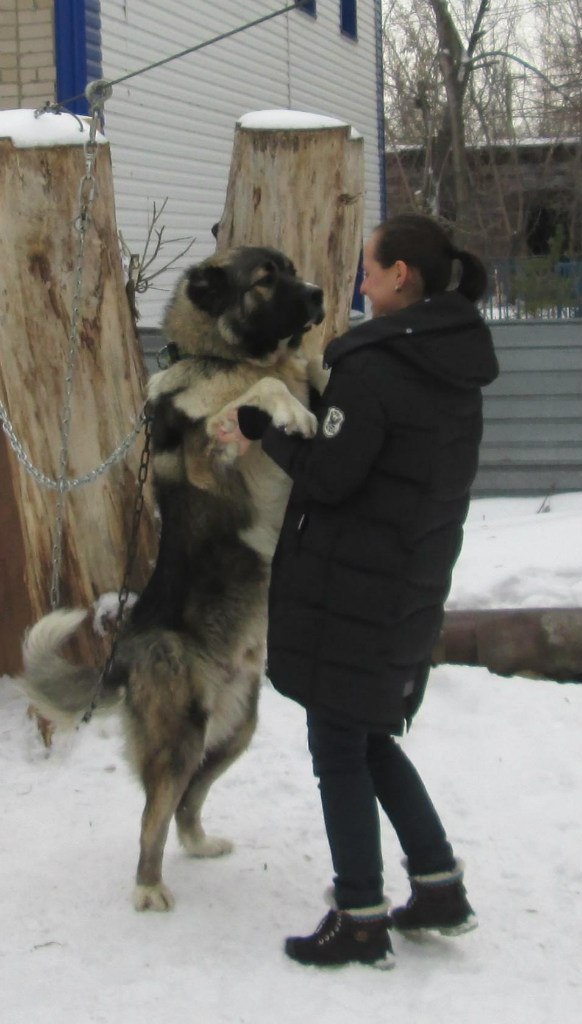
[315,306]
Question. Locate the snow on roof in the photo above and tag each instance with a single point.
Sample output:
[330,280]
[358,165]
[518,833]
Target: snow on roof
[516,143]
[46,129]
[291,120]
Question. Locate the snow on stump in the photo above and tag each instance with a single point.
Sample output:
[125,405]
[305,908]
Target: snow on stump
[297,183]
[42,162]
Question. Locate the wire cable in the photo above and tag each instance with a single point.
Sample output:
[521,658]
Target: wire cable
[194,49]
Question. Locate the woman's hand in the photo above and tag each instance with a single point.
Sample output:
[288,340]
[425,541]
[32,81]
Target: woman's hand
[229,433]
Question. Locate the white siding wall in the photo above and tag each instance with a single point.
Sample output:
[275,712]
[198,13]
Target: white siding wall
[171,129]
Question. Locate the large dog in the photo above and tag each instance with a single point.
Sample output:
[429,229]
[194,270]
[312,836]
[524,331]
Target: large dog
[188,661]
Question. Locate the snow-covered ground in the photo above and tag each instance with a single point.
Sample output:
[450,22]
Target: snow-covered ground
[501,757]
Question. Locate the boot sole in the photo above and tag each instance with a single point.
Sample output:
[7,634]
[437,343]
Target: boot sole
[388,963]
[448,930]
[382,963]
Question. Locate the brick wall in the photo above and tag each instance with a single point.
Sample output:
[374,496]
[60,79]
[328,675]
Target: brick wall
[27,58]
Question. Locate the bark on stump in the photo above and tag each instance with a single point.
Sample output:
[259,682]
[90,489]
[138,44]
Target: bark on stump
[39,196]
[539,642]
[301,190]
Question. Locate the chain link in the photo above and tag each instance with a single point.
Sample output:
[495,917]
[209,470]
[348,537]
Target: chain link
[124,590]
[87,189]
[70,483]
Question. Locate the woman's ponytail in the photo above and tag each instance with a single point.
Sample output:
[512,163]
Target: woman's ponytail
[423,243]
[473,280]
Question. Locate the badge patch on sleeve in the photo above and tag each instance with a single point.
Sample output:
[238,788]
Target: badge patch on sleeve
[333,421]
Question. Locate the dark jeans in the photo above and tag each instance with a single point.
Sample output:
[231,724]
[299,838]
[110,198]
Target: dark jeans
[356,769]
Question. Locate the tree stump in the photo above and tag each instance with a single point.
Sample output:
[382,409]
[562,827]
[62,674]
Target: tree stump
[297,183]
[39,205]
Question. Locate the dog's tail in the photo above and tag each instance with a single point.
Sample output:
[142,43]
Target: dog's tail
[58,690]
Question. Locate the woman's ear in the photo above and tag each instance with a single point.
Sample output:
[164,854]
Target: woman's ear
[401,275]
[409,278]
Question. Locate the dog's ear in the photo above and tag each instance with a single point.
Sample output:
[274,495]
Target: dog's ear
[209,289]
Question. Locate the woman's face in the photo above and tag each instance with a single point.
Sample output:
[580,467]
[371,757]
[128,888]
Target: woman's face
[389,288]
[380,284]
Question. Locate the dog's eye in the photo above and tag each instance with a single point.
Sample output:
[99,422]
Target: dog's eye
[270,272]
[268,275]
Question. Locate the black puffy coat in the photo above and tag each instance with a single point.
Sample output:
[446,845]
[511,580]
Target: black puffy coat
[374,521]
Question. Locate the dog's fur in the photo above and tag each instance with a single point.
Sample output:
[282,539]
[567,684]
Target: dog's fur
[188,662]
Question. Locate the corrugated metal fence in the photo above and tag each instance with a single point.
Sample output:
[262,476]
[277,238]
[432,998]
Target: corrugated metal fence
[532,442]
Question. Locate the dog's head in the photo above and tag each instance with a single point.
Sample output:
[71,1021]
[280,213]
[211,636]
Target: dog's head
[247,301]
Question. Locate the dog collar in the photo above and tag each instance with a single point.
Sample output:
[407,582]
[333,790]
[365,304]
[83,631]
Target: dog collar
[168,355]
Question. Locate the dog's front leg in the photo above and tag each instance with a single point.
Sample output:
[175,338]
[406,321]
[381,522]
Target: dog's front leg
[272,396]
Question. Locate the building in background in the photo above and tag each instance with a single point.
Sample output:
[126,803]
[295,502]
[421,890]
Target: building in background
[171,128]
[527,195]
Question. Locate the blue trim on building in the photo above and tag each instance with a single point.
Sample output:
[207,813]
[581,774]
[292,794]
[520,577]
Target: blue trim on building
[358,298]
[93,39]
[77,50]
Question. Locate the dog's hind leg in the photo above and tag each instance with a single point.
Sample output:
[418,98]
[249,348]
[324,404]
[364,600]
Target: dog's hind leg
[188,814]
[164,781]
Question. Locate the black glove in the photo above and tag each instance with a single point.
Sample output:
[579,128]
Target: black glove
[253,422]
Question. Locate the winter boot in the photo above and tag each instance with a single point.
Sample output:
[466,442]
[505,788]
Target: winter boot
[346,936]
[437,903]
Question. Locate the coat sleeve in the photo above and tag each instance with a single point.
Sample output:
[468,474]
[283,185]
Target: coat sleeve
[351,431]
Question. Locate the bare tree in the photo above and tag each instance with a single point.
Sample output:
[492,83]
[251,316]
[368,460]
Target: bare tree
[560,108]
[456,64]
[464,92]
[561,51]
[432,60]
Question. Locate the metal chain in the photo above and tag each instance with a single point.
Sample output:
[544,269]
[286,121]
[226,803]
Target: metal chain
[70,483]
[124,590]
[87,189]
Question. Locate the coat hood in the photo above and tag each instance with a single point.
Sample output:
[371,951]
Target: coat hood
[444,335]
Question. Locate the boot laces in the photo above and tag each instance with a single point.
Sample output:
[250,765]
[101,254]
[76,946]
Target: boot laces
[324,933]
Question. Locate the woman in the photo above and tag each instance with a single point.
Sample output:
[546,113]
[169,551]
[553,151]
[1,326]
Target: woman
[363,568]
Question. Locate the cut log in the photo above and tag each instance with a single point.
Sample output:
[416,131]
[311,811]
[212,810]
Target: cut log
[39,197]
[539,642]
[300,188]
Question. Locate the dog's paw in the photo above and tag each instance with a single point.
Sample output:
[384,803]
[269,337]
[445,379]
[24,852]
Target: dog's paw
[295,418]
[206,846]
[285,410]
[153,897]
